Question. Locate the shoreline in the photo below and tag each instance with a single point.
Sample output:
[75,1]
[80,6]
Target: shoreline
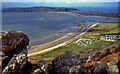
[56,36]
[46,40]
[64,40]
[77,14]
[44,46]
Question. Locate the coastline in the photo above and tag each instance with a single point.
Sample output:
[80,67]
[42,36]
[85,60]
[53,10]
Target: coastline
[50,46]
[53,37]
[46,40]
[84,14]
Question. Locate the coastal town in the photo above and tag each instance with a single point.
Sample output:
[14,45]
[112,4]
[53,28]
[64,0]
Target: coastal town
[109,37]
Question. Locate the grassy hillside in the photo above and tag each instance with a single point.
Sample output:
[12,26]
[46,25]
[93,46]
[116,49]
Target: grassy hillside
[104,28]
[81,47]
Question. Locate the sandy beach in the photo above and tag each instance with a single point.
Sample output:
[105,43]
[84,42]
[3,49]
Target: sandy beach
[37,48]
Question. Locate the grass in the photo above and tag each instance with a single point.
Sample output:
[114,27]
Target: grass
[104,28]
[93,46]
[97,45]
[76,48]
[70,47]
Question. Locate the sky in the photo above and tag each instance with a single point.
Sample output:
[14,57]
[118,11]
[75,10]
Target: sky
[67,1]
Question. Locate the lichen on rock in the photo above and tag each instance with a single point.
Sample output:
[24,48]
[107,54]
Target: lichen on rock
[67,63]
[17,63]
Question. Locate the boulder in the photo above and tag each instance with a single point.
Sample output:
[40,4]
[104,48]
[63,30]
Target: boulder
[17,63]
[100,68]
[42,67]
[67,63]
[13,42]
[41,63]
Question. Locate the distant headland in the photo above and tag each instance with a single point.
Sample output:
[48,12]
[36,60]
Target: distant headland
[40,9]
[110,14]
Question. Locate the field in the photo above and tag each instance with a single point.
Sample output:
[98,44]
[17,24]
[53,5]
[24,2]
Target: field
[83,45]
[104,28]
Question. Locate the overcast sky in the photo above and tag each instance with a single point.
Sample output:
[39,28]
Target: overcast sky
[67,1]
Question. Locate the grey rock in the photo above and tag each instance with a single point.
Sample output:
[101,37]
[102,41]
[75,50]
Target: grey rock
[67,63]
[17,63]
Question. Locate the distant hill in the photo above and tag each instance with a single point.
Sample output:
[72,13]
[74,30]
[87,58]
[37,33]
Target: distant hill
[60,4]
[113,14]
[40,9]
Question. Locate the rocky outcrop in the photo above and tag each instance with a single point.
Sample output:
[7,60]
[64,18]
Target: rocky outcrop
[17,63]
[114,51]
[42,67]
[106,61]
[68,63]
[13,42]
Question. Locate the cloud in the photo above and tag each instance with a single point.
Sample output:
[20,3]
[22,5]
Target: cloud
[68,1]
